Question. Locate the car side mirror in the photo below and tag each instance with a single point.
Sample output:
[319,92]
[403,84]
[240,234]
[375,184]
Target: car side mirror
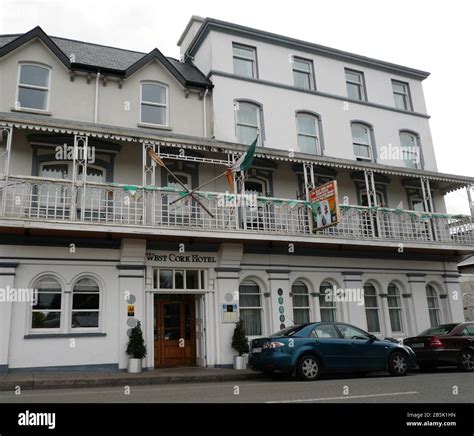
[372,338]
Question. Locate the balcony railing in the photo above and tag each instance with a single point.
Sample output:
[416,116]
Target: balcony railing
[32,198]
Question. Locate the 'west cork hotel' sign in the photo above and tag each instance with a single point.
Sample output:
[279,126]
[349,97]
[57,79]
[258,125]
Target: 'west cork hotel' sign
[179,258]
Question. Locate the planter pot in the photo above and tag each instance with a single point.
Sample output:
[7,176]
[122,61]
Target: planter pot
[240,362]
[134,366]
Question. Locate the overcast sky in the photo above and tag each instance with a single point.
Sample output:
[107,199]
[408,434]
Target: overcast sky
[435,36]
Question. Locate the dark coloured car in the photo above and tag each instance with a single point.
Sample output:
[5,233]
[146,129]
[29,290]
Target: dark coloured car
[444,345]
[309,350]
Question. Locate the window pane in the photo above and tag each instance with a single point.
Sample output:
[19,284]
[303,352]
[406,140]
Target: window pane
[86,285]
[361,150]
[85,319]
[154,93]
[192,279]
[154,114]
[32,98]
[245,52]
[48,301]
[326,331]
[179,279]
[400,101]
[34,75]
[399,87]
[328,315]
[300,300]
[353,77]
[166,279]
[372,320]
[252,321]
[247,114]
[45,320]
[247,300]
[246,135]
[302,80]
[360,134]
[354,91]
[301,316]
[85,301]
[243,67]
[55,171]
[395,320]
[302,65]
[308,144]
[307,124]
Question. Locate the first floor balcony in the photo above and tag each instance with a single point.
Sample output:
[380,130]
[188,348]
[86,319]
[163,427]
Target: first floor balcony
[29,201]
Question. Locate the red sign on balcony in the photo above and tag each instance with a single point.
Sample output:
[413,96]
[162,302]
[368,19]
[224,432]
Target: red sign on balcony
[324,205]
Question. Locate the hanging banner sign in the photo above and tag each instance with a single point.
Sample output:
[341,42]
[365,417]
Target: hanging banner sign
[324,203]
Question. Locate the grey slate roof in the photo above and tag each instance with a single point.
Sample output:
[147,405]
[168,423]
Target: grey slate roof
[113,58]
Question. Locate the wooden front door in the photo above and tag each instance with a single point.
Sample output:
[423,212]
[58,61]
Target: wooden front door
[175,331]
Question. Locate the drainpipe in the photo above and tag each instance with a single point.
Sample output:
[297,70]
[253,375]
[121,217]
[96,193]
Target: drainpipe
[205,112]
[96,96]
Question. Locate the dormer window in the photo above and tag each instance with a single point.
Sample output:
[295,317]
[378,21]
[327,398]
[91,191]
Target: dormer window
[154,104]
[33,87]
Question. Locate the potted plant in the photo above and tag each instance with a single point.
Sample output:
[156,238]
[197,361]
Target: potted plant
[241,345]
[136,349]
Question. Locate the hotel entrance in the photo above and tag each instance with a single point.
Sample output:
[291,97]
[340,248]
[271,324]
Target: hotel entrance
[174,330]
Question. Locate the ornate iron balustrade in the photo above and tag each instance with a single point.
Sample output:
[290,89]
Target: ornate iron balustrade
[33,198]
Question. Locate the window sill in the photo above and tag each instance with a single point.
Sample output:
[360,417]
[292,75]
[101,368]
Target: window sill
[155,126]
[63,335]
[31,111]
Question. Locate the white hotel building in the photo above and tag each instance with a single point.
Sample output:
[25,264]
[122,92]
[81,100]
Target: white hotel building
[101,241]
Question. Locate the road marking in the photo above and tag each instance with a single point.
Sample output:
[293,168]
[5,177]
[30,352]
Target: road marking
[310,400]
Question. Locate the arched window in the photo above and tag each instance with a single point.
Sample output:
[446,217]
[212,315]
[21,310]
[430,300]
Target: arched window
[371,309]
[248,122]
[250,301]
[33,87]
[410,149]
[394,308]
[362,141]
[433,305]
[309,134]
[85,304]
[154,104]
[327,303]
[300,297]
[46,312]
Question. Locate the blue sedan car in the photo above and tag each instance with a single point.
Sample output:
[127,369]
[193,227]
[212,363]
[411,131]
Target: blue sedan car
[310,350]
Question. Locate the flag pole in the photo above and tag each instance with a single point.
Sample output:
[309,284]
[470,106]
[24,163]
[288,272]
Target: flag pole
[163,165]
[199,187]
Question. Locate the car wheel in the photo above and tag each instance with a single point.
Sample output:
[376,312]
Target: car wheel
[309,368]
[466,360]
[398,364]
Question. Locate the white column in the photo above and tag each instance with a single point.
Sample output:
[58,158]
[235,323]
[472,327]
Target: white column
[132,284]
[7,279]
[452,303]
[279,300]
[385,315]
[355,311]
[227,281]
[417,284]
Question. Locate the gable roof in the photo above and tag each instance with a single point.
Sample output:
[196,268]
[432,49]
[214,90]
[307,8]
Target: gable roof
[296,44]
[108,60]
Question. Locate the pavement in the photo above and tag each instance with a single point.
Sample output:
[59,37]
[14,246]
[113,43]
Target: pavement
[35,381]
[442,386]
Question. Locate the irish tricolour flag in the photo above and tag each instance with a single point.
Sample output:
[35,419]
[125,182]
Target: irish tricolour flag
[243,163]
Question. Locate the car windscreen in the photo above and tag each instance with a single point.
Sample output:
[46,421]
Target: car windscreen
[439,330]
[289,331]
